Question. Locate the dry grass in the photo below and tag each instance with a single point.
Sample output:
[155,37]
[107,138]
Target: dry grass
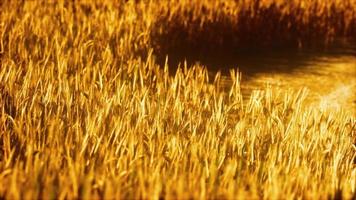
[94,120]
[197,28]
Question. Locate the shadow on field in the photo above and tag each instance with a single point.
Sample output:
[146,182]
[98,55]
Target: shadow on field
[254,60]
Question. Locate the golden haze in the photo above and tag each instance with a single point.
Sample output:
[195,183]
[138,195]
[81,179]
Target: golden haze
[86,111]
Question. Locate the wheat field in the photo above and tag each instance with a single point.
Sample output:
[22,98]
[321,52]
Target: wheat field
[87,111]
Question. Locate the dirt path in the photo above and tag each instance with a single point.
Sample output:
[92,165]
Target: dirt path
[330,82]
